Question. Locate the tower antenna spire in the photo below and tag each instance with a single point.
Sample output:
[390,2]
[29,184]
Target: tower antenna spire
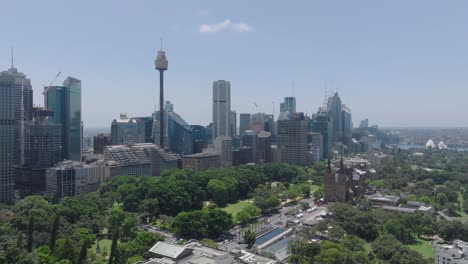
[161,39]
[12,54]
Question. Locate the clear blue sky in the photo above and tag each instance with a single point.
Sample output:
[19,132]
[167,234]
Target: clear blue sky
[399,62]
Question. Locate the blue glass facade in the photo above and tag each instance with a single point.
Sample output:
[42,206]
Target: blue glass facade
[65,101]
[179,134]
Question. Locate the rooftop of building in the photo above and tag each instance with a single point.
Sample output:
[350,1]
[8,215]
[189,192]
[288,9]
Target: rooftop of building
[169,250]
[70,164]
[126,155]
[201,155]
[264,134]
[167,155]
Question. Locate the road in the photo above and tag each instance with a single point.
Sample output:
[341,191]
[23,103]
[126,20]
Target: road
[276,220]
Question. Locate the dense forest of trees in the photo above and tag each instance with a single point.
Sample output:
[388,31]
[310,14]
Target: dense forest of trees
[37,230]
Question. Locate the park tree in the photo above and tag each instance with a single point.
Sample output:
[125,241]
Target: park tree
[218,191]
[249,238]
[54,231]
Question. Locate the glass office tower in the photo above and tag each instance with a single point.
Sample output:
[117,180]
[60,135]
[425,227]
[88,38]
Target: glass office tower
[65,101]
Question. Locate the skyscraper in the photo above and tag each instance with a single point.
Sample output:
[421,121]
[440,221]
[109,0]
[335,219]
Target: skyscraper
[289,105]
[347,123]
[244,123]
[177,133]
[161,65]
[322,122]
[42,149]
[221,109]
[65,101]
[335,108]
[15,105]
[233,124]
[292,140]
[199,138]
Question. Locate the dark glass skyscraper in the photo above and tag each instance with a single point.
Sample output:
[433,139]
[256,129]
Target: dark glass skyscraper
[42,149]
[65,101]
[244,123]
[322,123]
[178,136]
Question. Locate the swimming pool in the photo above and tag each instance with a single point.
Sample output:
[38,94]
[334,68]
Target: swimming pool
[269,235]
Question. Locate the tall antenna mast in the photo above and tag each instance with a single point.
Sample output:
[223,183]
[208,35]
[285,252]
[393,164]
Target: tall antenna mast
[12,57]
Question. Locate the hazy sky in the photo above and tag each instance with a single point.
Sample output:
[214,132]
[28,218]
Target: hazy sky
[398,62]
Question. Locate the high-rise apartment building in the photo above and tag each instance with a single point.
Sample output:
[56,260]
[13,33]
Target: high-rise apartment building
[127,131]
[15,107]
[292,140]
[221,109]
[65,102]
[244,123]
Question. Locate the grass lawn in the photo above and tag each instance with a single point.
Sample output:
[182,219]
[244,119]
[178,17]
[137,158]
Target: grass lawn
[422,246]
[414,167]
[104,243]
[237,207]
[463,216]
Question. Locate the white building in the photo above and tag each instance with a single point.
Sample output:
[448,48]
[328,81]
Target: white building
[456,253]
[221,109]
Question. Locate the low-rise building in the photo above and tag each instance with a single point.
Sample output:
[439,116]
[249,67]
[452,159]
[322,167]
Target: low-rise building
[384,200]
[130,161]
[455,253]
[190,253]
[164,160]
[71,178]
[201,161]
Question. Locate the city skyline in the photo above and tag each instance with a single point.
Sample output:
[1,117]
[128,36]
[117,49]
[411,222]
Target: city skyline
[401,66]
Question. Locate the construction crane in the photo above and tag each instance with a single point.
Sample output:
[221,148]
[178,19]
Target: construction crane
[51,83]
